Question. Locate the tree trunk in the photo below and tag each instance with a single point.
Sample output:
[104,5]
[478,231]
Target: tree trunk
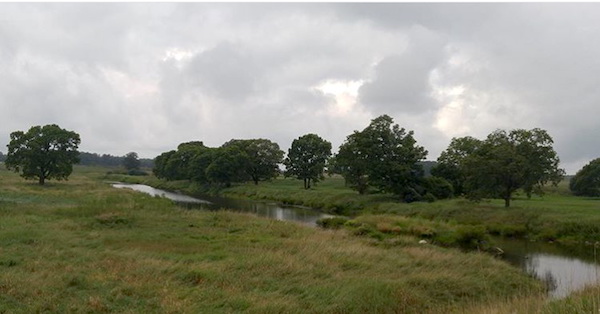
[507,201]
[42,180]
[305,185]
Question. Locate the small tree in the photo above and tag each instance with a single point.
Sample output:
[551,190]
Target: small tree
[307,158]
[131,161]
[586,181]
[47,152]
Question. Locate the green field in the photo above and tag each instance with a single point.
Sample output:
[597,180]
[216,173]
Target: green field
[83,246]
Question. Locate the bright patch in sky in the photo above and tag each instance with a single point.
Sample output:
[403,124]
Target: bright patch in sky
[344,93]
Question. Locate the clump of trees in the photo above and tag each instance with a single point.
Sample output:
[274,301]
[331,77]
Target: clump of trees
[586,181]
[501,164]
[234,161]
[43,152]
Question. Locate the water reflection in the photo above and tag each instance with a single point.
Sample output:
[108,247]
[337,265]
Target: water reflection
[271,210]
[561,269]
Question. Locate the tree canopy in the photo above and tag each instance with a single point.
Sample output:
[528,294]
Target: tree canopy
[42,153]
[586,181]
[508,161]
[383,156]
[262,158]
[307,158]
[451,163]
[131,161]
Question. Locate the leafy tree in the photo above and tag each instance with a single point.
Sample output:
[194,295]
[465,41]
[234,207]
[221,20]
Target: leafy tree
[383,156]
[160,165]
[263,158]
[227,166]
[307,158]
[506,162]
[2,157]
[451,163]
[586,181]
[131,161]
[47,152]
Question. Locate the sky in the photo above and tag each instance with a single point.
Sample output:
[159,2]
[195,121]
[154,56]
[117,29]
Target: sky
[145,77]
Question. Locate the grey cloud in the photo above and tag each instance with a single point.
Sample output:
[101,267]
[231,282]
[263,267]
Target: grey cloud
[401,82]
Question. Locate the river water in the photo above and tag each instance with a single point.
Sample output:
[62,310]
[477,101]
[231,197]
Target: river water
[563,269]
[273,210]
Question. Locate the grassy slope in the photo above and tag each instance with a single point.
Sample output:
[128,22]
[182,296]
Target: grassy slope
[82,246]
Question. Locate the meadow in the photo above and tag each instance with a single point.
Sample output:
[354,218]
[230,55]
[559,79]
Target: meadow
[82,246]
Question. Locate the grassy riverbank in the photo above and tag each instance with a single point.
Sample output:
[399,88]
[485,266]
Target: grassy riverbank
[82,246]
[557,216]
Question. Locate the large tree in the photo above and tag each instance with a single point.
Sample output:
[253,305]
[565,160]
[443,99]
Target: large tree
[586,181]
[43,152]
[307,158]
[508,161]
[383,156]
[262,158]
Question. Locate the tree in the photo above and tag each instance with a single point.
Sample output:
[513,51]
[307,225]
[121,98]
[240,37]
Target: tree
[506,162]
[263,158]
[47,152]
[586,181]
[451,163]
[227,166]
[2,157]
[131,161]
[383,156]
[307,158]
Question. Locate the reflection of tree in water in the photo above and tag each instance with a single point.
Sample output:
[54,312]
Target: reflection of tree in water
[549,281]
[532,264]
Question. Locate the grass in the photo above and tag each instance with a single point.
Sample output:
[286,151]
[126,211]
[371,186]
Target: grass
[82,246]
[556,216]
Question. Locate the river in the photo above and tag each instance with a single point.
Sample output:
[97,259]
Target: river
[563,269]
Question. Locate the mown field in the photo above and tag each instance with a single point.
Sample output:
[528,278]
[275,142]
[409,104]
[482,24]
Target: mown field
[83,246]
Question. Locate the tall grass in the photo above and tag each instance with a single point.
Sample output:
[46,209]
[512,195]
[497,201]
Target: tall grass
[82,246]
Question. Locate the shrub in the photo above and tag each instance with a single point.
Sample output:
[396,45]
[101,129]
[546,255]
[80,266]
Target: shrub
[332,222]
[438,187]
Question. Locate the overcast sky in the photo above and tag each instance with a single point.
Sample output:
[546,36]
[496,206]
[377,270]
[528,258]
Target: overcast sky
[145,77]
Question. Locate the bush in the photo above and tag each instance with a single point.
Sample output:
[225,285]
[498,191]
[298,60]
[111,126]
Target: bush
[332,222]
[137,172]
[438,187]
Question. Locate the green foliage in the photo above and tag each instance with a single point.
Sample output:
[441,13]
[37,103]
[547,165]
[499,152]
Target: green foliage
[586,181]
[262,158]
[332,222]
[383,156]
[307,158]
[131,161]
[47,152]
[227,166]
[451,163]
[506,162]
[440,188]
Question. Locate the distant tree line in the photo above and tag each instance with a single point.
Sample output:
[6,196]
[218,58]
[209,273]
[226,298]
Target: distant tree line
[2,157]
[382,158]
[93,159]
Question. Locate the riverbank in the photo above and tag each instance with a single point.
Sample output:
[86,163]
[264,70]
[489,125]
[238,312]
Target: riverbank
[555,217]
[83,246]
